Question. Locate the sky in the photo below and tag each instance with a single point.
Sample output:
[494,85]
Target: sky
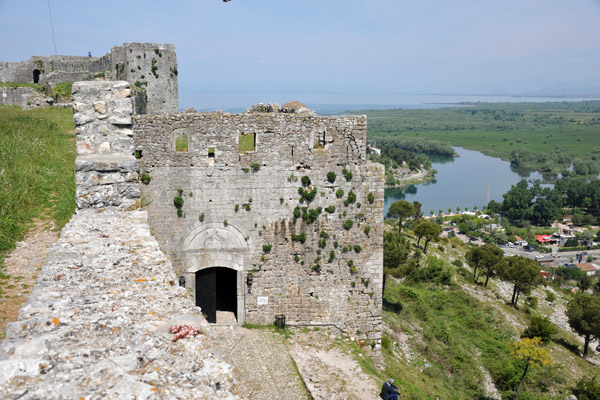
[266,50]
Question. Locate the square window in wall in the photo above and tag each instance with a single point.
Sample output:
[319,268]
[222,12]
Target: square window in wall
[181,142]
[247,142]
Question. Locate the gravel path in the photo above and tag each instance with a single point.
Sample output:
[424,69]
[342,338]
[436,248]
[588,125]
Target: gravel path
[261,363]
[23,265]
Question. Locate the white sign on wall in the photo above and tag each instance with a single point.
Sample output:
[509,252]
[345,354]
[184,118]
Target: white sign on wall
[262,301]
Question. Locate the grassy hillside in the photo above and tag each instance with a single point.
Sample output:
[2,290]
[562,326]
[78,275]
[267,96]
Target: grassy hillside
[451,341]
[497,129]
[37,179]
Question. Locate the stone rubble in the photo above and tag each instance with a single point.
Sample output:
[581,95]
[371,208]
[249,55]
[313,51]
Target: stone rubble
[97,323]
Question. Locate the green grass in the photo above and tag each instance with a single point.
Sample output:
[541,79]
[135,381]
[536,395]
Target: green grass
[496,129]
[37,154]
[246,143]
[63,90]
[36,86]
[453,334]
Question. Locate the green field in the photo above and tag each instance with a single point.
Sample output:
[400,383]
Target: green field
[37,178]
[550,135]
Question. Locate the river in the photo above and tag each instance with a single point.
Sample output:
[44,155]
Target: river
[465,181]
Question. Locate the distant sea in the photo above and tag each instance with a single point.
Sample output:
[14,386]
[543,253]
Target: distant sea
[335,104]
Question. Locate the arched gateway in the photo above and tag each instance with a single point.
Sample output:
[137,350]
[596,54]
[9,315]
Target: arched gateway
[214,256]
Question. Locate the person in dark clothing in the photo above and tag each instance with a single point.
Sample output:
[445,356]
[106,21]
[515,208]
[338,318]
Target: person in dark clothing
[389,391]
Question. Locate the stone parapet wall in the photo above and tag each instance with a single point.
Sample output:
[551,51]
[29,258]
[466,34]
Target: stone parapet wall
[281,140]
[105,167]
[25,97]
[96,325]
[54,69]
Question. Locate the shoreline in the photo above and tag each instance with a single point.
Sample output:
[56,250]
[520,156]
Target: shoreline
[414,178]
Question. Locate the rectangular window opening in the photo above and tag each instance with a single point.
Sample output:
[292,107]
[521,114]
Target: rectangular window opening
[181,142]
[211,152]
[319,141]
[247,142]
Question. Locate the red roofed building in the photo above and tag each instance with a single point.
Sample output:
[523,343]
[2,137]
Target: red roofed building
[543,238]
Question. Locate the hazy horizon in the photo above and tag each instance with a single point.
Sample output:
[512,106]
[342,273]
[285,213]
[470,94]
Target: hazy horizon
[466,47]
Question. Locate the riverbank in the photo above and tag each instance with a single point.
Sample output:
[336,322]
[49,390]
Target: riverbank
[557,137]
[473,179]
[405,176]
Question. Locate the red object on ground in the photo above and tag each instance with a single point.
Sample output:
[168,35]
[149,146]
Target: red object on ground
[183,331]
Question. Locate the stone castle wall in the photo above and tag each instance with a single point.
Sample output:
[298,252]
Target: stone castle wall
[97,323]
[238,212]
[54,69]
[150,69]
[25,97]
[105,168]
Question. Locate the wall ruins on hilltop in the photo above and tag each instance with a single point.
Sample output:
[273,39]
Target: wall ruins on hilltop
[150,69]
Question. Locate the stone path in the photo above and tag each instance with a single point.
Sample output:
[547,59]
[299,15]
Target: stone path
[329,371]
[269,366]
[97,324]
[261,363]
[23,265]
[264,362]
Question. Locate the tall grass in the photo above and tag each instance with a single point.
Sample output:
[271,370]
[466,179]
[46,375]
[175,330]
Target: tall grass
[37,180]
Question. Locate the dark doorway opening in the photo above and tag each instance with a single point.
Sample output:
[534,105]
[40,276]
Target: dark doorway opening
[36,76]
[216,290]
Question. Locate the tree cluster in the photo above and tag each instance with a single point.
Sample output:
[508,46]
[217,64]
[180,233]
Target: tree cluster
[541,205]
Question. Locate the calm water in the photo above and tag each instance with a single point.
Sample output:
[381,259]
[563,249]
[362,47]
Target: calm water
[333,104]
[461,182]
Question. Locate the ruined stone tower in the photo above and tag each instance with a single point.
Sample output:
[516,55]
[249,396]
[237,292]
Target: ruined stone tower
[151,70]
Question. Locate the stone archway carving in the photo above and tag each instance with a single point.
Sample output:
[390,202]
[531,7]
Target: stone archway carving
[213,236]
[212,245]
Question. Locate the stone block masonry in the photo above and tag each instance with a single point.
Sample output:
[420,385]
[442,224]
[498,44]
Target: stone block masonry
[97,323]
[105,167]
[150,69]
[25,97]
[296,214]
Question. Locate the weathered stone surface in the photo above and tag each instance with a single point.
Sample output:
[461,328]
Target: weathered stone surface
[106,171]
[100,107]
[25,97]
[132,62]
[236,205]
[96,324]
